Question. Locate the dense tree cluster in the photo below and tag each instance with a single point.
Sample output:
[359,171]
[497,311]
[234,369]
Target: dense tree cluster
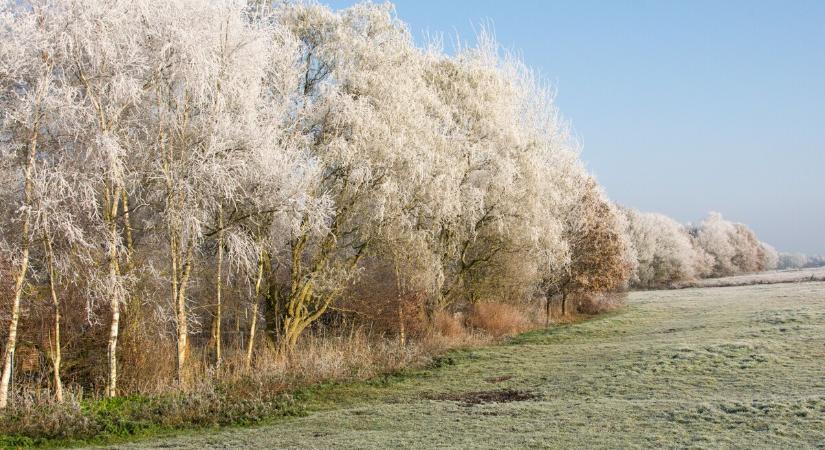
[668,252]
[665,250]
[215,175]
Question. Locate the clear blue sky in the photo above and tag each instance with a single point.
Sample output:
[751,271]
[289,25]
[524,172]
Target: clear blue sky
[683,107]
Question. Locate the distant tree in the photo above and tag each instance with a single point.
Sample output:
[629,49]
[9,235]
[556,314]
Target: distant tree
[769,257]
[734,247]
[792,260]
[816,261]
[666,252]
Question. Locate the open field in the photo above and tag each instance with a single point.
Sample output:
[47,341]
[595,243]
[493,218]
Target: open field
[735,367]
[770,277]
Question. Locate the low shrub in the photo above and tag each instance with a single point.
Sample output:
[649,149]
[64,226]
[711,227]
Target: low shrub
[499,319]
[449,325]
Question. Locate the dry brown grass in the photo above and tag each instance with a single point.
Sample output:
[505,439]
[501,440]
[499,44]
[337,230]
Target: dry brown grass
[449,325]
[354,355]
[447,331]
[499,319]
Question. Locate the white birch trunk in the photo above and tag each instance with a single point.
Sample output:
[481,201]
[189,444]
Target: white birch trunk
[114,272]
[20,278]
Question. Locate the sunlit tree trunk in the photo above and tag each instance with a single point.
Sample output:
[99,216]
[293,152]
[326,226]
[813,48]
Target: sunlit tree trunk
[112,205]
[20,277]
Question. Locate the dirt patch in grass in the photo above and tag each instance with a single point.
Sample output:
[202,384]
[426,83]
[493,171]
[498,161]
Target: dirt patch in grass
[468,399]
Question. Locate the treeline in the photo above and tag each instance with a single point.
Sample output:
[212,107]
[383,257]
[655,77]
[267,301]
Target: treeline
[668,252]
[800,261]
[208,180]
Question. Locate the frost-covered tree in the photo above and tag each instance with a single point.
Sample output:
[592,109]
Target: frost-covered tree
[792,260]
[217,107]
[99,56]
[770,257]
[665,251]
[26,90]
[510,173]
[44,139]
[600,257]
[364,112]
[734,247]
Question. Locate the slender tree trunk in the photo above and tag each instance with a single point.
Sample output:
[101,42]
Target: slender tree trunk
[182,332]
[218,288]
[56,353]
[402,335]
[127,228]
[259,279]
[11,341]
[20,277]
[272,296]
[547,310]
[180,305]
[114,272]
[563,304]
[238,337]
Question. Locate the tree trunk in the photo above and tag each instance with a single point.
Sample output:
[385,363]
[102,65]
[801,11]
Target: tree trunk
[563,304]
[56,354]
[127,228]
[297,315]
[182,334]
[11,341]
[259,279]
[180,313]
[402,335]
[547,310]
[218,287]
[274,311]
[114,271]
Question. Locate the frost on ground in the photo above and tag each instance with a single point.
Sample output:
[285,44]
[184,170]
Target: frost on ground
[770,277]
[735,367]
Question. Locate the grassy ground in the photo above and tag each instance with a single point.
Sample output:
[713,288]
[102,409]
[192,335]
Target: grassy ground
[739,367]
[771,277]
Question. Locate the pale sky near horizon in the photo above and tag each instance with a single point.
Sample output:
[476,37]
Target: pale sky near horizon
[683,107]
